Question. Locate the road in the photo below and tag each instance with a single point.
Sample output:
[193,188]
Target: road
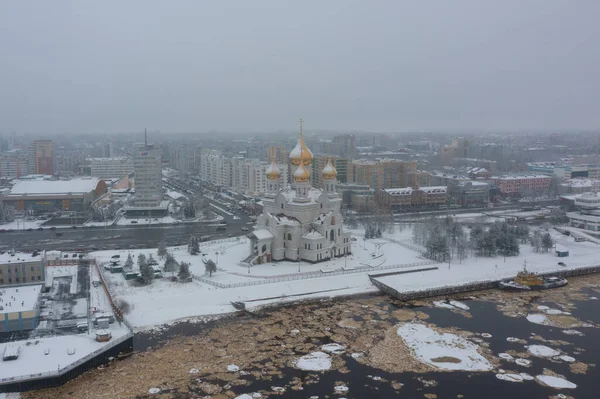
[118,236]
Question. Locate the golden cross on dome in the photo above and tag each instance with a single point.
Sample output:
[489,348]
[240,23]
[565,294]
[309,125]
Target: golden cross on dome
[301,123]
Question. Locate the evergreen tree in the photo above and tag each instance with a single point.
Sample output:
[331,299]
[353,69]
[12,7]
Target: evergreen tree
[547,242]
[184,271]
[189,211]
[129,262]
[146,271]
[193,246]
[210,267]
[171,264]
[151,260]
[141,260]
[162,249]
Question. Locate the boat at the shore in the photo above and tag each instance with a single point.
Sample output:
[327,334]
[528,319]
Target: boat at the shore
[528,281]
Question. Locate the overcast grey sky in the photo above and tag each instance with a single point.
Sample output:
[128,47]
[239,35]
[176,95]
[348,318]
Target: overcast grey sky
[191,66]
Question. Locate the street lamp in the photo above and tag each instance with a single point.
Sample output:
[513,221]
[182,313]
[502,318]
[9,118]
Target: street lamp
[298,260]
[217,253]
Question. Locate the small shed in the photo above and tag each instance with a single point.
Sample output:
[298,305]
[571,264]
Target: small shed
[561,251]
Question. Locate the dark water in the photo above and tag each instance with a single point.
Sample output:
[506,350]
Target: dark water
[485,319]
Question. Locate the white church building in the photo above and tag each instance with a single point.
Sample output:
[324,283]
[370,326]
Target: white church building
[300,222]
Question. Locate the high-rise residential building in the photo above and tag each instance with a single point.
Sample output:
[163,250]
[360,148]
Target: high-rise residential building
[40,160]
[148,176]
[249,176]
[382,173]
[339,163]
[459,148]
[107,148]
[110,168]
[216,169]
[344,146]
[183,158]
[68,162]
[13,164]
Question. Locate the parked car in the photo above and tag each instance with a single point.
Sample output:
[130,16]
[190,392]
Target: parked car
[562,264]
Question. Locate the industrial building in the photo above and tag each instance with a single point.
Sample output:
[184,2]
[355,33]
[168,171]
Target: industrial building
[19,308]
[17,268]
[412,197]
[52,195]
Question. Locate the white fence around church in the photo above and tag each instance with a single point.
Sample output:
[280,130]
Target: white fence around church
[306,276]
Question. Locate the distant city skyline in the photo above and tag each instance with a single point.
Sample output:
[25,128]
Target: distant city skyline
[343,66]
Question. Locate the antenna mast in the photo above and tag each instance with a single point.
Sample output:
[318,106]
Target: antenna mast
[145,137]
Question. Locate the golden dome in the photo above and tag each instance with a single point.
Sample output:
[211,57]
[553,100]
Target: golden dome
[301,174]
[329,171]
[273,172]
[301,154]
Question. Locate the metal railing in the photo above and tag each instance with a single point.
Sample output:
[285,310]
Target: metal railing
[310,275]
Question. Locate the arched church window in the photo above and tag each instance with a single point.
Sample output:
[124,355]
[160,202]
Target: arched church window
[290,236]
[321,205]
[281,206]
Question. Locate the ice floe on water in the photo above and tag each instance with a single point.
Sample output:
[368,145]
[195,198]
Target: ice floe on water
[572,332]
[315,361]
[451,305]
[333,348]
[565,358]
[244,396]
[505,356]
[278,389]
[510,377]
[442,350]
[341,388]
[542,351]
[542,307]
[512,339]
[357,355]
[555,382]
[537,318]
[233,368]
[526,376]
[523,362]
[194,371]
[154,391]
[556,311]
[486,335]
[460,305]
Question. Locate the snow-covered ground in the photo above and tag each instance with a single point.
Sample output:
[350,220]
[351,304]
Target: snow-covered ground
[473,269]
[21,224]
[443,351]
[123,221]
[164,301]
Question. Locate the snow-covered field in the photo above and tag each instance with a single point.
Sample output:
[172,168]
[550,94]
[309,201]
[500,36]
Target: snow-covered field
[164,301]
[474,269]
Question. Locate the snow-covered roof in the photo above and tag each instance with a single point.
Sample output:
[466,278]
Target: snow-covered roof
[313,235]
[44,187]
[521,177]
[174,194]
[409,190]
[26,298]
[581,183]
[283,219]
[321,217]
[262,234]
[19,257]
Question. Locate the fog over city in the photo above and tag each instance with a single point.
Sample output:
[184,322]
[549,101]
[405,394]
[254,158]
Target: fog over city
[241,66]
